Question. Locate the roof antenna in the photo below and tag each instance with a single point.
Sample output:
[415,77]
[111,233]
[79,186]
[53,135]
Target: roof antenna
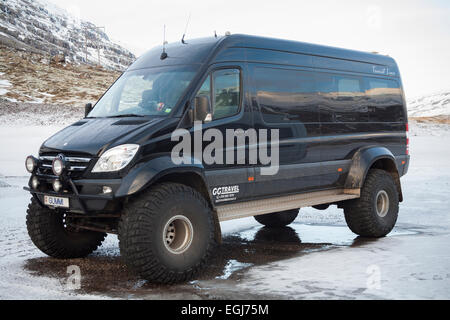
[185,29]
[164,54]
[215,34]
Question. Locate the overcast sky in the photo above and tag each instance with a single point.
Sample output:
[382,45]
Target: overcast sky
[415,33]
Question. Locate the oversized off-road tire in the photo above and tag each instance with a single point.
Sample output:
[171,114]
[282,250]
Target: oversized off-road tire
[167,233]
[374,214]
[48,231]
[277,219]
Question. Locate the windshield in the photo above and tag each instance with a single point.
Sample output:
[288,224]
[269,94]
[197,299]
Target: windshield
[145,92]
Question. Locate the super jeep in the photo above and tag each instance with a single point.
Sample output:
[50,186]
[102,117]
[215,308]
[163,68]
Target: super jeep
[329,126]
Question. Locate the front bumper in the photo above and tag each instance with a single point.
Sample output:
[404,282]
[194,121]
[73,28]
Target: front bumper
[85,196]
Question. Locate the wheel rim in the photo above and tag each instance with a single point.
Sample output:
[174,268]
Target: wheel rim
[178,234]
[382,203]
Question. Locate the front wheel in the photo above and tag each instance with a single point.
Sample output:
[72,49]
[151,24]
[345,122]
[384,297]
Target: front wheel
[166,234]
[50,232]
[277,219]
[375,213]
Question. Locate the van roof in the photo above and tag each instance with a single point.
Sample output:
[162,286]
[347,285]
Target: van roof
[201,51]
[257,42]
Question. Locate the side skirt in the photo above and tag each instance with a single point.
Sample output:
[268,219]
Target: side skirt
[257,207]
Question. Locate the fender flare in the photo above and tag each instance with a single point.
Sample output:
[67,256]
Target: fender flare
[362,161]
[145,173]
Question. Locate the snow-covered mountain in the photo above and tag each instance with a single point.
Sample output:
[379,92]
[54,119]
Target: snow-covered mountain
[42,27]
[432,105]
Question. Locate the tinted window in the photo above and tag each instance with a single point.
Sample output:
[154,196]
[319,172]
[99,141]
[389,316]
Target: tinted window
[349,86]
[341,98]
[301,96]
[385,100]
[286,95]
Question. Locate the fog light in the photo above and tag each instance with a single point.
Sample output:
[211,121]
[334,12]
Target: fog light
[30,164]
[58,166]
[34,183]
[107,189]
[57,185]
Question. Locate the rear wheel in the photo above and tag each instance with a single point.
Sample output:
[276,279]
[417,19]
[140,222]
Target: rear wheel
[167,233]
[375,213]
[50,233]
[277,219]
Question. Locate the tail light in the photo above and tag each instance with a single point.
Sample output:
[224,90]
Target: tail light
[407,138]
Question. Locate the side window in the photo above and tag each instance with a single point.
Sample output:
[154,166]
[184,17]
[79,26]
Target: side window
[225,97]
[385,100]
[226,93]
[342,98]
[349,87]
[286,95]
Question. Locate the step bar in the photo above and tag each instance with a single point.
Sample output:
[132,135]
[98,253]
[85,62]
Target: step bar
[257,207]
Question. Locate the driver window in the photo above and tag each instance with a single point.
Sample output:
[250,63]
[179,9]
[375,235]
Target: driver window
[225,95]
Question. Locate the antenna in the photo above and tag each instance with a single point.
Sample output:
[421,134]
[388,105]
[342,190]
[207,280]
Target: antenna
[185,29]
[215,34]
[164,54]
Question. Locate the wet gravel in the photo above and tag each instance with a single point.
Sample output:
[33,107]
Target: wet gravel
[104,272]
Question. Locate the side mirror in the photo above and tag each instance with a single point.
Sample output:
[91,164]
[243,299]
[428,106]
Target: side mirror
[87,109]
[202,108]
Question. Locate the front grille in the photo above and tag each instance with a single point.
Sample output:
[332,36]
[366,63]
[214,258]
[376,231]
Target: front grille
[75,165]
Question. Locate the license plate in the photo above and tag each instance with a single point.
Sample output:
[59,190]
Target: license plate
[56,201]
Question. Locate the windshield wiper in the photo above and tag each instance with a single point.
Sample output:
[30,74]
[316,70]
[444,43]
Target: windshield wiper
[126,115]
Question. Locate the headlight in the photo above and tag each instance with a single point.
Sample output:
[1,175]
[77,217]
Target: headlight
[116,158]
[57,185]
[30,164]
[34,183]
[58,166]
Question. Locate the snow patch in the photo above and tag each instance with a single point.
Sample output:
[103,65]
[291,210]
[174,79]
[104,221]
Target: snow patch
[432,105]
[231,267]
[3,85]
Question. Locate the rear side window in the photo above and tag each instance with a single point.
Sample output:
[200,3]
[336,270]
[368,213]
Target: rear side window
[341,98]
[385,101]
[286,95]
[349,86]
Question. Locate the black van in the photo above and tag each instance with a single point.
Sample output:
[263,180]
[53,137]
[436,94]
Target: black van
[337,119]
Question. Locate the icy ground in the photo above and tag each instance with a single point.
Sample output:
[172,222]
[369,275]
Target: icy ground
[316,257]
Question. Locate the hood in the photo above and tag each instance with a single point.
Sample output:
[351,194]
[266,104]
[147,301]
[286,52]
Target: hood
[92,136]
